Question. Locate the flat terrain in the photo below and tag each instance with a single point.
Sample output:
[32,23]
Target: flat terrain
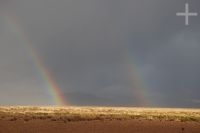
[98,120]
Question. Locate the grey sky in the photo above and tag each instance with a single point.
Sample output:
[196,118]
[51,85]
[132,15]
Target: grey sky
[89,46]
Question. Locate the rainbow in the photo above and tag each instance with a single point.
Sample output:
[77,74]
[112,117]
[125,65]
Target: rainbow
[140,91]
[11,20]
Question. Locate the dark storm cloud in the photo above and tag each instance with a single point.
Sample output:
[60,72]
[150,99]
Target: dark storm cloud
[85,43]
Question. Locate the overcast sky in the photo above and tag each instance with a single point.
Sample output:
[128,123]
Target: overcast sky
[101,52]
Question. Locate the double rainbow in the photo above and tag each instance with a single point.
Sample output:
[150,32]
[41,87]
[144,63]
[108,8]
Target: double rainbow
[139,90]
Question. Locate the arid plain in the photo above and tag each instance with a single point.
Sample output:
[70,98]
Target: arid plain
[18,119]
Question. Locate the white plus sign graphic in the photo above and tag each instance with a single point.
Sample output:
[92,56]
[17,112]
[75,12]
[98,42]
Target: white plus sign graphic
[187,14]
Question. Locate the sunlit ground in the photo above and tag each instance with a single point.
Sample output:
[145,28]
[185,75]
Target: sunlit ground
[97,113]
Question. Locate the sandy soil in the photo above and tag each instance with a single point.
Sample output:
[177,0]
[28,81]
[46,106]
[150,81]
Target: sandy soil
[98,120]
[114,126]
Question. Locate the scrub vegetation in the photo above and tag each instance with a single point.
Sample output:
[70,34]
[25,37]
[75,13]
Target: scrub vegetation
[70,114]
